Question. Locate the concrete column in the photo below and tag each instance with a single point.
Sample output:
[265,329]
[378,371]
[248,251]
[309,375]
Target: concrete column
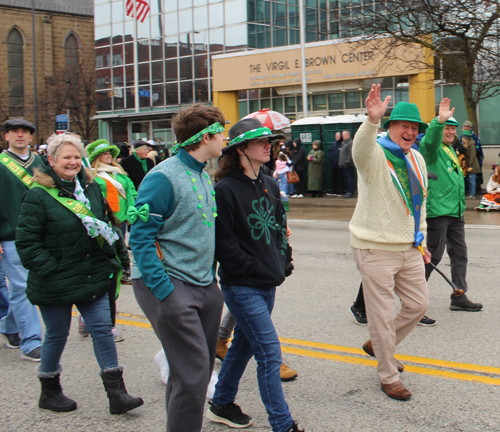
[227,101]
[422,91]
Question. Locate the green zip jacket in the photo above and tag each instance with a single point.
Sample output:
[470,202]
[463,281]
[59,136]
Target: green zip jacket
[11,195]
[446,195]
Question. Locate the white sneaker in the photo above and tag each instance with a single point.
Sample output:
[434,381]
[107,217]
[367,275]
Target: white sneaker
[300,196]
[162,363]
[211,385]
[117,336]
[294,196]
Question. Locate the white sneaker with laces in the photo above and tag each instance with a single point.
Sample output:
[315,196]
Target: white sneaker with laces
[211,385]
[162,363]
[294,196]
[300,196]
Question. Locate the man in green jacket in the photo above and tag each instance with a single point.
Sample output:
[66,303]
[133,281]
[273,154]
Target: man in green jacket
[16,170]
[446,203]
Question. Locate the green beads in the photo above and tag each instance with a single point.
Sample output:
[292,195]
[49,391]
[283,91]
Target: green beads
[200,198]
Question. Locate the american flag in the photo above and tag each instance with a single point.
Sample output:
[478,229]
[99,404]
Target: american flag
[141,9]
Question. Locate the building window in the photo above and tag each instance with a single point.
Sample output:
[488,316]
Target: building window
[15,73]
[71,52]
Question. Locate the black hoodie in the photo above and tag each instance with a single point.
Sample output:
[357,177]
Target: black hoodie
[250,235]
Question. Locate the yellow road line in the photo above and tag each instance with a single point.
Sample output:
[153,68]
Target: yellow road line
[373,363]
[141,321]
[405,358]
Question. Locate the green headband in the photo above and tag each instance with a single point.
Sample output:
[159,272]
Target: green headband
[251,134]
[212,129]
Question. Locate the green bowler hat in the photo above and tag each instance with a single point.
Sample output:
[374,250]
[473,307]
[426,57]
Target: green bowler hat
[101,146]
[404,111]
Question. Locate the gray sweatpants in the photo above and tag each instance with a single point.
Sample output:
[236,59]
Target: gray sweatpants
[187,324]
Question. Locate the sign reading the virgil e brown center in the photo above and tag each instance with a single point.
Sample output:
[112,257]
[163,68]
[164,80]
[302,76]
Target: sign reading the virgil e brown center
[325,62]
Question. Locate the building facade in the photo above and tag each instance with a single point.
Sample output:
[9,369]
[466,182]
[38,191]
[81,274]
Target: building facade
[148,70]
[63,37]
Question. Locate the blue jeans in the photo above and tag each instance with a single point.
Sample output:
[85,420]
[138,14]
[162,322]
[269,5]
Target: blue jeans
[22,316]
[283,185]
[254,335]
[97,319]
[4,295]
[472,183]
[348,173]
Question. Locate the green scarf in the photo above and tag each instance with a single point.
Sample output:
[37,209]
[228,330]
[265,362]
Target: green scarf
[143,162]
[401,170]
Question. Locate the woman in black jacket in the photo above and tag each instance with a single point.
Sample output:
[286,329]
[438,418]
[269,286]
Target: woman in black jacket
[299,166]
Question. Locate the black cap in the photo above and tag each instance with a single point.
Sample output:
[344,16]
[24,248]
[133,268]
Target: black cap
[19,123]
[140,143]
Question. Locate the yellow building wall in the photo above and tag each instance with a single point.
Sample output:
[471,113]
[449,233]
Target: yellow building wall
[228,103]
[422,91]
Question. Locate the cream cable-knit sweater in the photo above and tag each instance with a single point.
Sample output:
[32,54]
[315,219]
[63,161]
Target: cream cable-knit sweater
[380,220]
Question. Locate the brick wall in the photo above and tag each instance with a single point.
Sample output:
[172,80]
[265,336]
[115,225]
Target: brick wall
[51,29]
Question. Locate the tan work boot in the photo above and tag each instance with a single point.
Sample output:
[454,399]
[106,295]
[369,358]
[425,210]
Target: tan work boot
[286,373]
[221,349]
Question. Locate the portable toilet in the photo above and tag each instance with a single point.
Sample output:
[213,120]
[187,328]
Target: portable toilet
[308,130]
[329,127]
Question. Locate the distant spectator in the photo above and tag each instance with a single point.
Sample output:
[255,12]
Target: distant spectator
[347,164]
[299,166]
[472,162]
[282,167]
[316,159]
[137,165]
[467,126]
[338,184]
[491,201]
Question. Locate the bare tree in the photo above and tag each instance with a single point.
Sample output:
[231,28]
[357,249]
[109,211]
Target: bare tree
[72,88]
[463,36]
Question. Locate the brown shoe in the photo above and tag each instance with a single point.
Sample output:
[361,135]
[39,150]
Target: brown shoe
[396,390]
[368,349]
[286,373]
[221,349]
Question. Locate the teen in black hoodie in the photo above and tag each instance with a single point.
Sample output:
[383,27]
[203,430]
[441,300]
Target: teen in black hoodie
[251,250]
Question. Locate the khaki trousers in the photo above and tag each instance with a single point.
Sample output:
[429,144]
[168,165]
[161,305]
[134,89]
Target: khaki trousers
[384,274]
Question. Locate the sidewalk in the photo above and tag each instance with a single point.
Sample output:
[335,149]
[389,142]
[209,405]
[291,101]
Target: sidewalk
[338,208]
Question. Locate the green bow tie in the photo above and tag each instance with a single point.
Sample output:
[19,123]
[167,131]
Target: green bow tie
[142,214]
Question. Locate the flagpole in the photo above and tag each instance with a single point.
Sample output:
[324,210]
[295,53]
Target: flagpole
[136,63]
[303,56]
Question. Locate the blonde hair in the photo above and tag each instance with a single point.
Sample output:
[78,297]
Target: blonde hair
[55,143]
[97,162]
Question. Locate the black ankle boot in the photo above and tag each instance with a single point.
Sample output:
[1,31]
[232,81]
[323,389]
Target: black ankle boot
[52,397]
[295,428]
[119,400]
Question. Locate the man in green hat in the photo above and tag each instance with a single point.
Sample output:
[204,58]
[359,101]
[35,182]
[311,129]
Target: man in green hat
[446,203]
[387,231]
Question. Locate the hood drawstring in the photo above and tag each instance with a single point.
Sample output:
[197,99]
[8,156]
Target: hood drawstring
[262,186]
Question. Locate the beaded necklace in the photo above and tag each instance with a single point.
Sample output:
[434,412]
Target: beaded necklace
[200,198]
